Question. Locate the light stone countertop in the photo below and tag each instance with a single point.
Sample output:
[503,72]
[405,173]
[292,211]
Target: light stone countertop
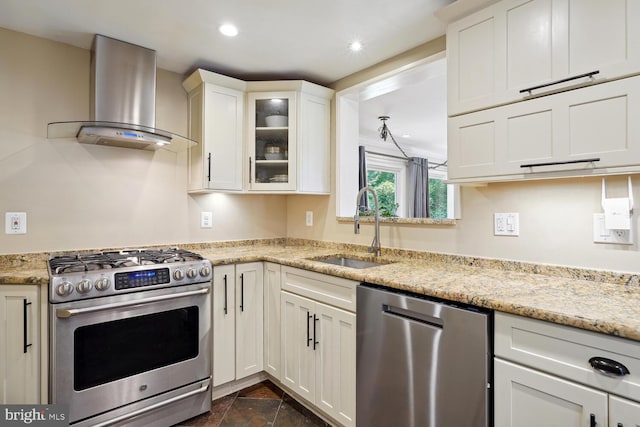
[607,302]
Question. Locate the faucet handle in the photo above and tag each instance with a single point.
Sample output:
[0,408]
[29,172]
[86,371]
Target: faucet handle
[356,224]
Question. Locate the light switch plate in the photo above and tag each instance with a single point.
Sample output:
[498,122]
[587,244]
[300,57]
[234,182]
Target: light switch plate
[15,223]
[602,234]
[506,224]
[206,220]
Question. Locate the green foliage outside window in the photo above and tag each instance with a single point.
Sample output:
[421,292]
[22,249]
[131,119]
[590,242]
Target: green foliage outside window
[385,185]
[437,198]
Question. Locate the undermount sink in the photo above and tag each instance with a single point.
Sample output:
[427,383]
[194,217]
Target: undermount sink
[344,261]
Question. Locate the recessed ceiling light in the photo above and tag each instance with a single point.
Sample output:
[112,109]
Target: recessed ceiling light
[406,135]
[228,30]
[355,46]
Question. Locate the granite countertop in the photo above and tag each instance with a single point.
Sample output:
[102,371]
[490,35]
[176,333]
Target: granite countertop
[594,300]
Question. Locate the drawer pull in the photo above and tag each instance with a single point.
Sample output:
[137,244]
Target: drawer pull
[608,367]
[566,162]
[568,79]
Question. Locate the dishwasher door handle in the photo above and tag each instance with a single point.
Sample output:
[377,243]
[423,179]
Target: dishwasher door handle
[403,313]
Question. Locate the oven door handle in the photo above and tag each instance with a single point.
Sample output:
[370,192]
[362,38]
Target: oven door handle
[155,406]
[66,313]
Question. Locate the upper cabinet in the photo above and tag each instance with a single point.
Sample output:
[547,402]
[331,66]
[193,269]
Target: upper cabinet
[517,49]
[269,137]
[216,121]
[544,89]
[288,139]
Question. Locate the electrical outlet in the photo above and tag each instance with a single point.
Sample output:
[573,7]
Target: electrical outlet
[206,220]
[506,224]
[309,218]
[15,223]
[601,234]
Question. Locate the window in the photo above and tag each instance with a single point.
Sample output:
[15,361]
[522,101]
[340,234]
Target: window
[388,177]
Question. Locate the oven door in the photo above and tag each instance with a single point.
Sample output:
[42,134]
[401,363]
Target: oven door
[113,351]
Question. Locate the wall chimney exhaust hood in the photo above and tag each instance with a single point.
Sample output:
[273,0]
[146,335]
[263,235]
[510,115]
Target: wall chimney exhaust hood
[123,101]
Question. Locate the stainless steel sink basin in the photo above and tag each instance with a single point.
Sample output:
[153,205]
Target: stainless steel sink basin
[349,262]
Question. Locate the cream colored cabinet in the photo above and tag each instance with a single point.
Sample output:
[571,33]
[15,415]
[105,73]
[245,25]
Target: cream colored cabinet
[237,321]
[515,49]
[272,319]
[586,131]
[543,375]
[528,398]
[216,122]
[288,140]
[318,341]
[19,344]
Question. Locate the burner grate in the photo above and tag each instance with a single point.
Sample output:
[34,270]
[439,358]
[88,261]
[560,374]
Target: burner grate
[118,259]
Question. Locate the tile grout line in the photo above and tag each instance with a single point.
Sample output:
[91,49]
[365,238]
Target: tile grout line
[227,410]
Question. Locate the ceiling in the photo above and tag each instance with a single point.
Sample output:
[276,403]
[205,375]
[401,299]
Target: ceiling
[278,39]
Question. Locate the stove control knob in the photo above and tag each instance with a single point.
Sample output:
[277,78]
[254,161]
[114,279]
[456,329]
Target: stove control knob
[102,284]
[64,289]
[205,271]
[192,273]
[84,286]
[178,274]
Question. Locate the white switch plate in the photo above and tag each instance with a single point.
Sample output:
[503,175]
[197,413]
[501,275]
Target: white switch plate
[506,224]
[309,219]
[15,223]
[602,234]
[206,220]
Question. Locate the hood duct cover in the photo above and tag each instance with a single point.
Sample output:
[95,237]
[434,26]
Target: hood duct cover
[123,101]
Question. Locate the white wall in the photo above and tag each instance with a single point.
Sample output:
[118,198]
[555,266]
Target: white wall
[80,196]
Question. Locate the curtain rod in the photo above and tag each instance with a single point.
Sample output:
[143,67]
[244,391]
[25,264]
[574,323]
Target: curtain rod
[399,157]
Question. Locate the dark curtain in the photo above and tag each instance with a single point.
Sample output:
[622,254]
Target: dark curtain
[362,178]
[418,187]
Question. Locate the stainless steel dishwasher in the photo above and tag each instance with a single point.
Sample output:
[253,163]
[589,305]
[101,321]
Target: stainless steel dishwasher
[421,363]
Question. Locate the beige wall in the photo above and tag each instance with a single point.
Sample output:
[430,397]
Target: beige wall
[556,216]
[81,196]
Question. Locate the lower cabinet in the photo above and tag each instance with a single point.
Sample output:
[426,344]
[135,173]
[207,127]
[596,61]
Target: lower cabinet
[237,321]
[272,319]
[319,342]
[19,344]
[543,376]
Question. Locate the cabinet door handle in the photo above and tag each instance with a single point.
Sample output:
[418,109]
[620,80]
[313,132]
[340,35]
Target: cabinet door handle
[308,334]
[242,292]
[590,74]
[315,321]
[592,420]
[566,162]
[209,173]
[608,367]
[249,170]
[25,319]
[225,294]
[620,425]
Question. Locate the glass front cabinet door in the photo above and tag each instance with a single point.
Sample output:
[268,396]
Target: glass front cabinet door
[272,141]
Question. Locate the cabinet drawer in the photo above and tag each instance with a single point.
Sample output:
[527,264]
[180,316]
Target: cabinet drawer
[330,290]
[565,351]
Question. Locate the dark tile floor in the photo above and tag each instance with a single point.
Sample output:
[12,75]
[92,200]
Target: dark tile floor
[263,404]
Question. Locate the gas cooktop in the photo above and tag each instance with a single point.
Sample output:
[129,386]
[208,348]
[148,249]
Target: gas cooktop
[91,275]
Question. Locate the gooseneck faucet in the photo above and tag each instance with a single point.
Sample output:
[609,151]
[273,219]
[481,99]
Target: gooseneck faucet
[375,245]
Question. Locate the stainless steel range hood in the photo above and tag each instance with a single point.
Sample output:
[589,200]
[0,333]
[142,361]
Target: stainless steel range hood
[123,101]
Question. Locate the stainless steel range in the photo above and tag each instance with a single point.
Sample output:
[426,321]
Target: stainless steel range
[130,337]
